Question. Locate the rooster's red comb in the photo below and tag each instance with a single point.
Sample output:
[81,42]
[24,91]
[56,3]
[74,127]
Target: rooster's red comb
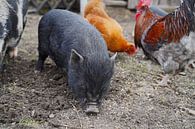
[143,3]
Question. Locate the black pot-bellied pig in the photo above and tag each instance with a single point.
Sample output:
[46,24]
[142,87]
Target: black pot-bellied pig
[12,22]
[75,45]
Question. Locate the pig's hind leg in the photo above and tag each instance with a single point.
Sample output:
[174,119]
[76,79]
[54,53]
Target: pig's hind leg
[43,48]
[13,52]
[2,54]
[12,49]
[40,63]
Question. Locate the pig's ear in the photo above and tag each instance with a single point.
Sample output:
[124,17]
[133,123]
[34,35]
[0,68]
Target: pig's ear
[113,57]
[75,57]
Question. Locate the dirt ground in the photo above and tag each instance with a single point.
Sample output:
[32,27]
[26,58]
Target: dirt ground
[136,99]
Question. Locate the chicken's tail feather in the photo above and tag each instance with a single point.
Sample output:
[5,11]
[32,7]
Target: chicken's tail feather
[180,22]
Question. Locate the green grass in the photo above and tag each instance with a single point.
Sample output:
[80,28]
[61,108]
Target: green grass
[29,122]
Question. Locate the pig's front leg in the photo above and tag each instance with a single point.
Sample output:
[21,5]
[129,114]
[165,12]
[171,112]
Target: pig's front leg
[2,53]
[1,47]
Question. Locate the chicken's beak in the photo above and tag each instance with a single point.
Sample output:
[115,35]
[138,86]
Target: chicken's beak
[132,50]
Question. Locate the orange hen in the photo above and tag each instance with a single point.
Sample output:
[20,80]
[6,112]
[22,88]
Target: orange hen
[111,30]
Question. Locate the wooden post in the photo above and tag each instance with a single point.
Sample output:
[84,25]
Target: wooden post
[121,3]
[132,3]
[156,2]
[82,6]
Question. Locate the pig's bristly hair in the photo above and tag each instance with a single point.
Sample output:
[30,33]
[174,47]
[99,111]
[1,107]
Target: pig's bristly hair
[101,71]
[4,12]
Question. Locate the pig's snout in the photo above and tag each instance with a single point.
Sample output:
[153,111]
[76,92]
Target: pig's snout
[92,108]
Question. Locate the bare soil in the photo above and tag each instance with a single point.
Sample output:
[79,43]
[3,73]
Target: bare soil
[136,99]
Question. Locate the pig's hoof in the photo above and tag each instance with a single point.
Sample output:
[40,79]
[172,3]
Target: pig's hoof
[92,110]
[13,52]
[190,66]
[2,68]
[37,72]
[38,69]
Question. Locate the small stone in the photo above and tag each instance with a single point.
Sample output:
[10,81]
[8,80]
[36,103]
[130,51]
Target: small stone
[14,123]
[193,94]
[190,111]
[51,116]
[33,113]
[182,73]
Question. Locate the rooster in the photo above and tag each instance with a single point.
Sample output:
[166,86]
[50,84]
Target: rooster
[110,29]
[167,39]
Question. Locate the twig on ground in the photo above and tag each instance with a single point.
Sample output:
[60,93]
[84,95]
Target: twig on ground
[77,112]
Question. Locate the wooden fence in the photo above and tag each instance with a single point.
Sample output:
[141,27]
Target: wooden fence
[42,6]
[164,4]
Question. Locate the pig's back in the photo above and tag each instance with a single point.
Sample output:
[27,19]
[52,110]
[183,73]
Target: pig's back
[68,31]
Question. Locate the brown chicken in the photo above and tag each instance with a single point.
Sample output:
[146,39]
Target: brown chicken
[111,30]
[167,39]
